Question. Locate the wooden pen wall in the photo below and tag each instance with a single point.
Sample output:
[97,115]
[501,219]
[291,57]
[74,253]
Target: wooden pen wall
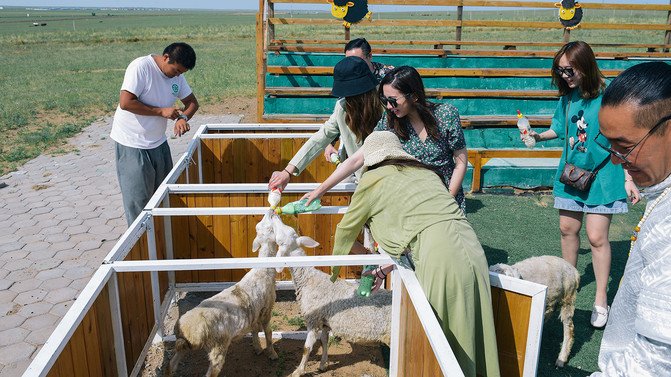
[224,236]
[511,320]
[233,160]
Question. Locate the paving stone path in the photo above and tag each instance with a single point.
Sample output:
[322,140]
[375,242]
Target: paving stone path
[59,217]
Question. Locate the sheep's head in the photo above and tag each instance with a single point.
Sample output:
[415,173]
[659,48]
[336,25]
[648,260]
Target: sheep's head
[339,8]
[288,241]
[505,269]
[265,236]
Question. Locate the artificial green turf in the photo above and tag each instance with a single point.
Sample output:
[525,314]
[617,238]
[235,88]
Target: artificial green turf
[513,228]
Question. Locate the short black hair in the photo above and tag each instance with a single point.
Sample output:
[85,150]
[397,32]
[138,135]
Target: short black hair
[181,53]
[642,84]
[361,43]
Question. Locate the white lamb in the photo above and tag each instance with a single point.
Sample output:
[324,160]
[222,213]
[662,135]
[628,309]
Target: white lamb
[334,307]
[227,316]
[562,280]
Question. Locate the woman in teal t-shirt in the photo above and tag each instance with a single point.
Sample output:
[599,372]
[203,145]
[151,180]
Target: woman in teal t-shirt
[581,84]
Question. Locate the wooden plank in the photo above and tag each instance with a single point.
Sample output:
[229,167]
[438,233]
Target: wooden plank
[104,322]
[430,92]
[437,72]
[469,121]
[221,227]
[511,323]
[238,234]
[193,236]
[493,3]
[380,42]
[144,298]
[64,364]
[446,52]
[92,341]
[180,235]
[79,351]
[469,23]
[205,240]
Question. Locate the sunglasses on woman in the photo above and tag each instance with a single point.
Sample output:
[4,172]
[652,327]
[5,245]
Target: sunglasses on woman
[568,71]
[393,101]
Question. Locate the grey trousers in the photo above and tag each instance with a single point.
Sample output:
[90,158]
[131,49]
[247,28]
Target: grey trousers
[140,172]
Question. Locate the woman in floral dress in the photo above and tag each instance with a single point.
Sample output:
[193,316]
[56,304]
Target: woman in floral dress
[430,132]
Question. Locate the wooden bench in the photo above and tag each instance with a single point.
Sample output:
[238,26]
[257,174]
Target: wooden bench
[486,80]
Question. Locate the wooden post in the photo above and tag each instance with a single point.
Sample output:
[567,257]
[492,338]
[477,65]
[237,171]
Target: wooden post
[271,27]
[347,34]
[260,64]
[460,17]
[667,35]
[567,35]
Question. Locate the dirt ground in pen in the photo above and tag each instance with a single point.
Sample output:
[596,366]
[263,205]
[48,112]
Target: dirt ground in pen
[344,359]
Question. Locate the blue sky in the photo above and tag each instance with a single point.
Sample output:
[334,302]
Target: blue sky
[229,4]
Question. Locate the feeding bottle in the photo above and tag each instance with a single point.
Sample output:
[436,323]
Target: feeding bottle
[274,197]
[335,159]
[524,127]
[299,206]
[367,281]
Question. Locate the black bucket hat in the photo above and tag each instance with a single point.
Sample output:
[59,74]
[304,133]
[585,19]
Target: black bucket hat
[351,77]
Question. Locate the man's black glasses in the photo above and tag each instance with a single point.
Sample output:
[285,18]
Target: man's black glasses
[568,71]
[624,157]
[393,101]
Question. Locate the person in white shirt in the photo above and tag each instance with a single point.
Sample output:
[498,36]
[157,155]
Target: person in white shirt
[635,117]
[151,86]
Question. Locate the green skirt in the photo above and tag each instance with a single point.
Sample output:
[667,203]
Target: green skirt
[455,279]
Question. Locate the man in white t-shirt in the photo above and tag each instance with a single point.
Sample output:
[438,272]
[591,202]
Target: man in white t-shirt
[150,88]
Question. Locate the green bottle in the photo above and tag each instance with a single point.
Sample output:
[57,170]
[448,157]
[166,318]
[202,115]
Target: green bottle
[299,206]
[366,282]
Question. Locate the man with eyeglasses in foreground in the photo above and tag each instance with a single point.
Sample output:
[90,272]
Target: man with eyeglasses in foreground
[635,117]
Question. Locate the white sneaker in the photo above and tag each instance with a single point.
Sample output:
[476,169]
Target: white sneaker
[599,316]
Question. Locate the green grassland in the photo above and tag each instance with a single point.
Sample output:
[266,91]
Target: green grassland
[57,78]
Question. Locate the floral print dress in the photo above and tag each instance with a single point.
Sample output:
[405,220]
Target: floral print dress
[437,153]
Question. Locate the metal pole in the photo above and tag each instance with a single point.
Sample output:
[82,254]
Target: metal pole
[117,325]
[667,35]
[567,35]
[155,288]
[460,17]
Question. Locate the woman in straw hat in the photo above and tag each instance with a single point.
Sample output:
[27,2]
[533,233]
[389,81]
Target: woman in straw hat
[355,115]
[407,206]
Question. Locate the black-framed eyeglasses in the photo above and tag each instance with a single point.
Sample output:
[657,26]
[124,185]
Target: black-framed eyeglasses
[393,101]
[568,71]
[624,157]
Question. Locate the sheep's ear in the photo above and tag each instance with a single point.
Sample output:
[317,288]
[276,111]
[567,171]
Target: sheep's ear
[578,6]
[329,1]
[306,241]
[558,5]
[256,245]
[350,4]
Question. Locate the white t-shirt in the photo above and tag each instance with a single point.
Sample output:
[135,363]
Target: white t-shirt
[152,87]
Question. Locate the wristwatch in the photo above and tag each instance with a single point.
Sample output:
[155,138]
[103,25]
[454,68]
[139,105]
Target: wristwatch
[183,116]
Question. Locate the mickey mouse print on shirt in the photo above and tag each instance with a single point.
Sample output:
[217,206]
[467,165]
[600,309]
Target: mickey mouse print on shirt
[581,133]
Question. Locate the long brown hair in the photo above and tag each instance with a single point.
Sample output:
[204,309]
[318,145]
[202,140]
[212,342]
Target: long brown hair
[401,163]
[407,80]
[582,59]
[362,112]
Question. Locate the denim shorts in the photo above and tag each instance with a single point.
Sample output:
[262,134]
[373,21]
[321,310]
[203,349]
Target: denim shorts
[618,206]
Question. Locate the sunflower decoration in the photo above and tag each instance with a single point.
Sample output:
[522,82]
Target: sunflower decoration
[570,13]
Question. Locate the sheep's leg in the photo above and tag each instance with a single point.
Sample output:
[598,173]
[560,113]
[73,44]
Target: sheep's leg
[307,348]
[325,347]
[269,342]
[181,347]
[255,340]
[566,316]
[217,357]
[172,367]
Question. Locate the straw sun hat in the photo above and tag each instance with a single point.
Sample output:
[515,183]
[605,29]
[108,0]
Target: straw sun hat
[383,145]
